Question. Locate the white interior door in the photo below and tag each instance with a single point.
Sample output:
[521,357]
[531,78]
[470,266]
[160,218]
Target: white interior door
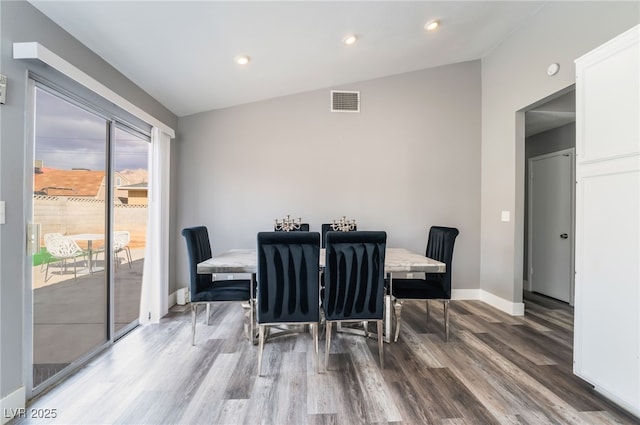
[551,224]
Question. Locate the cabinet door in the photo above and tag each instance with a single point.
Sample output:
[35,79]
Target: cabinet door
[607,298]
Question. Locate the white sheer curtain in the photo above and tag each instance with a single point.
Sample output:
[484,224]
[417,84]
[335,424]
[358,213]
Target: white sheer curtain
[155,279]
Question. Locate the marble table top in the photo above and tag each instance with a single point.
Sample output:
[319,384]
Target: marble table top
[397,260]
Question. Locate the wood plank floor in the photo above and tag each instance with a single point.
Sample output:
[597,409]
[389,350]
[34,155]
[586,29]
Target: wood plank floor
[495,369]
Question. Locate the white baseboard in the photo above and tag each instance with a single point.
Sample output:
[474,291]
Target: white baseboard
[173,299]
[181,295]
[465,294]
[13,405]
[514,309]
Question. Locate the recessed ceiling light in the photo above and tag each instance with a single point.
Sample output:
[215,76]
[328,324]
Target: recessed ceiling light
[350,39]
[242,59]
[431,25]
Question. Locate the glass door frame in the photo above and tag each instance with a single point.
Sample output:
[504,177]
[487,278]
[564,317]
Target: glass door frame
[33,82]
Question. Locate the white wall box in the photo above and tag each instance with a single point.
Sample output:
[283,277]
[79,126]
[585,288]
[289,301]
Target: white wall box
[607,295]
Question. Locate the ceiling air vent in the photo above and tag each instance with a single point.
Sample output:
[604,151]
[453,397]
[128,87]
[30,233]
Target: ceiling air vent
[345,101]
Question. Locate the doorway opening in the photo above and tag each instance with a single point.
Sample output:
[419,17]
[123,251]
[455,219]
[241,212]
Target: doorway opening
[549,196]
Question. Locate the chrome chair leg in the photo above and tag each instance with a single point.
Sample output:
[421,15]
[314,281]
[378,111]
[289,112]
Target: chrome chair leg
[261,339]
[252,324]
[208,312]
[321,324]
[328,345]
[315,346]
[446,319]
[397,308]
[428,312]
[194,310]
[128,252]
[380,344]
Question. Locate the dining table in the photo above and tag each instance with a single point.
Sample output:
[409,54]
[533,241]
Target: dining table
[397,260]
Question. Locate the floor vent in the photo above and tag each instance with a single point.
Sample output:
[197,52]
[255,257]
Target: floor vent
[345,101]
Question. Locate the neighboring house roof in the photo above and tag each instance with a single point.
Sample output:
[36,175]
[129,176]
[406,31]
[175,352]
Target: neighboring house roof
[55,182]
[141,185]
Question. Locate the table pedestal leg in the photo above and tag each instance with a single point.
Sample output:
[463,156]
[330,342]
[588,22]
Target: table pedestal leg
[90,250]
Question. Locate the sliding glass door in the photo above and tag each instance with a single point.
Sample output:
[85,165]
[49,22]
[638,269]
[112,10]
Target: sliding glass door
[130,202]
[90,177]
[70,287]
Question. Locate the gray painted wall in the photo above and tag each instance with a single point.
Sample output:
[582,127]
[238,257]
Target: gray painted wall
[514,77]
[407,161]
[22,22]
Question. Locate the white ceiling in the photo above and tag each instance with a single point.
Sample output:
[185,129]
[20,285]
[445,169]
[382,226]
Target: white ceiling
[181,53]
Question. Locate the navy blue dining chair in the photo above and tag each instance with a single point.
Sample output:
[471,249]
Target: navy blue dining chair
[354,281]
[434,286]
[288,283]
[205,290]
[327,227]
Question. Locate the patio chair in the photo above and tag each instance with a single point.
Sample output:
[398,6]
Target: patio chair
[47,238]
[121,239]
[63,248]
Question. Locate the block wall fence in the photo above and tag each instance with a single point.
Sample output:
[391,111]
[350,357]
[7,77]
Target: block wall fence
[67,215]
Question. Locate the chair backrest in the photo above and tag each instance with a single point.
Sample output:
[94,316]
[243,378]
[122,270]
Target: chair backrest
[326,227]
[288,277]
[49,236]
[354,275]
[440,247]
[62,246]
[121,239]
[199,249]
[304,227]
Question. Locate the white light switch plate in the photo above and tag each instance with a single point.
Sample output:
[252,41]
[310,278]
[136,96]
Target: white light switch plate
[505,216]
[2,219]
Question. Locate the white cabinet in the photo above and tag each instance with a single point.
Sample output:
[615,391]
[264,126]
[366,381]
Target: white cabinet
[607,284]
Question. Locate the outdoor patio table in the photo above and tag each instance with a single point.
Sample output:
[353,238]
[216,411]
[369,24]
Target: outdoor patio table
[89,237]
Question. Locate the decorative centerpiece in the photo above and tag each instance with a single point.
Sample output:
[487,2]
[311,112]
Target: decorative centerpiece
[343,225]
[287,224]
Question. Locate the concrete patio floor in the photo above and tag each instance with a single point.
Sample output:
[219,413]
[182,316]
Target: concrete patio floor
[70,314]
